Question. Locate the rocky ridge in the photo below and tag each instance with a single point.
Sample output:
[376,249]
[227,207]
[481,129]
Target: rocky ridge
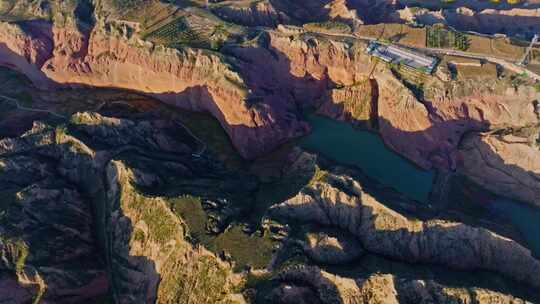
[124,242]
[341,202]
[505,164]
[520,21]
[256,97]
[377,288]
[109,57]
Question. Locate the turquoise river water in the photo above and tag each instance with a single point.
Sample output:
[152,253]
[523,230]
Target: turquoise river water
[366,150]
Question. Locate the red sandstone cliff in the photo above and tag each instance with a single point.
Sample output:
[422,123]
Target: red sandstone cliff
[256,101]
[425,130]
[107,56]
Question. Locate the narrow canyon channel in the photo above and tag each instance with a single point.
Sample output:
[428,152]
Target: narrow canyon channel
[367,151]
[526,218]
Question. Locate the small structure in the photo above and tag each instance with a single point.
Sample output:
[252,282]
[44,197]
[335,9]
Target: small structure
[394,54]
[528,50]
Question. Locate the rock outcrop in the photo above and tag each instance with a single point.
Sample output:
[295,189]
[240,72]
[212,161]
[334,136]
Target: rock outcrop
[324,287]
[339,201]
[505,164]
[356,103]
[516,21]
[151,260]
[109,56]
[75,228]
[256,97]
[332,248]
[428,128]
[47,245]
[257,13]
[425,125]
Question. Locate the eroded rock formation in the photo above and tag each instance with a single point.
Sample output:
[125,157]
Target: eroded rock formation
[339,201]
[520,21]
[505,164]
[324,287]
[108,57]
[77,229]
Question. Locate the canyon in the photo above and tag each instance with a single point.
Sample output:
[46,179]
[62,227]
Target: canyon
[134,169]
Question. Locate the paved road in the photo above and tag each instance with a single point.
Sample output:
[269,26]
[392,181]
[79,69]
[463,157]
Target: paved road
[18,105]
[512,66]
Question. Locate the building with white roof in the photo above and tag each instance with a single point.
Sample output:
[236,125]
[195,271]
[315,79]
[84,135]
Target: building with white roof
[394,54]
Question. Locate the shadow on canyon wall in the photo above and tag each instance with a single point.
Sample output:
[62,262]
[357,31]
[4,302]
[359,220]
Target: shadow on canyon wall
[440,257]
[303,12]
[273,86]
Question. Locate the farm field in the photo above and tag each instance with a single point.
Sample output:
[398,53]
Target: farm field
[442,38]
[467,68]
[487,71]
[193,27]
[394,32]
[498,47]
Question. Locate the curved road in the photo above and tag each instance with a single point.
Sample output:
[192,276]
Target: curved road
[18,105]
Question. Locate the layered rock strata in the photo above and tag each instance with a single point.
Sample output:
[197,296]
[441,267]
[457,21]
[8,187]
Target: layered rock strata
[77,229]
[507,165]
[109,56]
[324,287]
[339,201]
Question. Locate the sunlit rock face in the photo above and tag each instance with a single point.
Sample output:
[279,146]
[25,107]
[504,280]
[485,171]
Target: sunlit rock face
[255,92]
[76,228]
[191,79]
[376,288]
[85,202]
[339,201]
[508,165]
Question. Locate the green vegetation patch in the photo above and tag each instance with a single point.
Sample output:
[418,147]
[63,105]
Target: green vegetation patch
[203,281]
[198,29]
[328,26]
[245,249]
[412,79]
[319,175]
[161,227]
[189,208]
[16,253]
[438,37]
[177,33]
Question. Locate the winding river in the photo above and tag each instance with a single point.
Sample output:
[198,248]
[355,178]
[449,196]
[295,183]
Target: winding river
[366,150]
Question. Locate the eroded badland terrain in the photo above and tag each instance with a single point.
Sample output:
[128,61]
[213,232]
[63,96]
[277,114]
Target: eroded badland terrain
[269,151]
